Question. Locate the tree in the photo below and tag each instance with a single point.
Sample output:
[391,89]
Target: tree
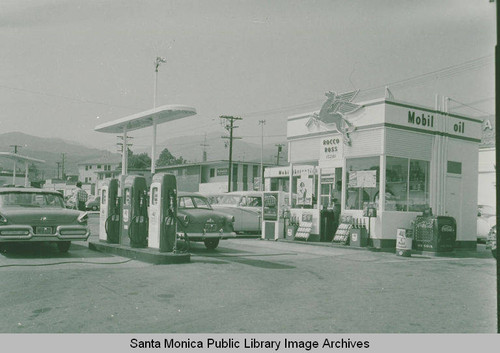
[33,172]
[137,161]
[166,158]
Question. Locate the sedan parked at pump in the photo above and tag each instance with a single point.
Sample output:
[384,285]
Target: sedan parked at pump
[36,215]
[245,206]
[198,221]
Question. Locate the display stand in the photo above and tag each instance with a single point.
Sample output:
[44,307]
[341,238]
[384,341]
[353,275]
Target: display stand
[304,231]
[342,234]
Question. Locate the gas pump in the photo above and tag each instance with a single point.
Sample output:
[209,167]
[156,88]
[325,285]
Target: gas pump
[163,212]
[109,218]
[134,225]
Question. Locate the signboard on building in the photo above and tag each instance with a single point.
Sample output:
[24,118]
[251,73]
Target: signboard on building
[331,149]
[222,171]
[285,171]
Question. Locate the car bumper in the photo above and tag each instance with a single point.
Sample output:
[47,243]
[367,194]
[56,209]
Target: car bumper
[203,236]
[11,233]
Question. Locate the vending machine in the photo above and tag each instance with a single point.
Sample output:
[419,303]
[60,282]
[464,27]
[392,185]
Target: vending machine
[163,212]
[273,222]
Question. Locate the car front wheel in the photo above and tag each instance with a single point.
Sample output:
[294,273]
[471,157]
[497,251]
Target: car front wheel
[63,246]
[211,243]
[94,208]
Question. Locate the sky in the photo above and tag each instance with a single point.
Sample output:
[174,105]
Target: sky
[70,65]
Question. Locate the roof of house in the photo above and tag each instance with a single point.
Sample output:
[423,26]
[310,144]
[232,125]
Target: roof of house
[109,159]
[266,164]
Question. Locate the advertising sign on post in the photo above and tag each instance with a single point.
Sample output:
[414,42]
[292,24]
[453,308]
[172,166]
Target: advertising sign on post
[367,178]
[363,179]
[304,191]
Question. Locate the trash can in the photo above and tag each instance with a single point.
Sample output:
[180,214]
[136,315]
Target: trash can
[404,242]
[327,225]
[434,233]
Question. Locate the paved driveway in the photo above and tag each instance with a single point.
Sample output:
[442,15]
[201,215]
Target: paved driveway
[247,285]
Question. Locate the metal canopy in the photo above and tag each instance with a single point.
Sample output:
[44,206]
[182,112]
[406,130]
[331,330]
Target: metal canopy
[147,118]
[19,158]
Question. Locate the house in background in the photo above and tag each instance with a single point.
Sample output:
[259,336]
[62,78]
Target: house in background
[212,176]
[90,172]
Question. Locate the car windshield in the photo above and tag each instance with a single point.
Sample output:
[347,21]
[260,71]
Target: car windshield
[230,200]
[251,201]
[194,202]
[31,199]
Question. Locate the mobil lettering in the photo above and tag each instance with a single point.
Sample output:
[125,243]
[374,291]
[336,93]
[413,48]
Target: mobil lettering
[459,127]
[421,120]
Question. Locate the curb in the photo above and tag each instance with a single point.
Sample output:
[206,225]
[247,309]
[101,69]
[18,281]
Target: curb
[141,254]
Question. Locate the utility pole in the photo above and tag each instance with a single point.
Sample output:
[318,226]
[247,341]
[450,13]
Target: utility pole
[229,127]
[280,148]
[261,186]
[15,147]
[62,166]
[204,145]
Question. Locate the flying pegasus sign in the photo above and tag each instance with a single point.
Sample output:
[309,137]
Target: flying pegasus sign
[333,112]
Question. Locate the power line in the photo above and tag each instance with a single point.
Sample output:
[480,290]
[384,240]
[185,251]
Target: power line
[469,106]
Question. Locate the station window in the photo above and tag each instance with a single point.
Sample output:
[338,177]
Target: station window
[212,172]
[362,182]
[407,184]
[454,167]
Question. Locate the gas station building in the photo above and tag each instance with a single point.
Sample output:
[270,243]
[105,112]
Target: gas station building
[402,160]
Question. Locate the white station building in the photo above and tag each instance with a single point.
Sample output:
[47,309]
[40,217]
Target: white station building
[402,159]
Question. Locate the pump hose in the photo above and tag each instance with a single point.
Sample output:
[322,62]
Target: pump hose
[135,236]
[186,246]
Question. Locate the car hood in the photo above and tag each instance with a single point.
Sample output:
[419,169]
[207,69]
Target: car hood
[23,215]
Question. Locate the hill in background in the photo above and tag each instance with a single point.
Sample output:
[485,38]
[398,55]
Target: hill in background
[190,148]
[50,150]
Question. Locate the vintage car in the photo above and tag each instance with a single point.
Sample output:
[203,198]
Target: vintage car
[36,215]
[491,241]
[93,204]
[486,218]
[198,221]
[245,206]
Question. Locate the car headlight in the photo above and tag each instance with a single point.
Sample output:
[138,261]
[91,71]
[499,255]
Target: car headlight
[83,218]
[3,220]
